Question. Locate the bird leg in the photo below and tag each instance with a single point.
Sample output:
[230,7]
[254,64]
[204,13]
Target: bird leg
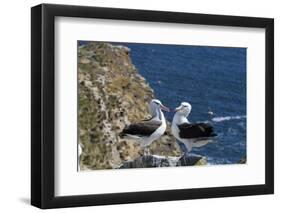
[146,151]
[186,150]
[186,155]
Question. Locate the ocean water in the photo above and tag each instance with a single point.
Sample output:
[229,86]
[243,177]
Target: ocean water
[210,79]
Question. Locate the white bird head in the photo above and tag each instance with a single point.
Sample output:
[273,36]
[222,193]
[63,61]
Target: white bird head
[184,109]
[156,104]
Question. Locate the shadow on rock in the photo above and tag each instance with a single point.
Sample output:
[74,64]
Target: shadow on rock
[150,161]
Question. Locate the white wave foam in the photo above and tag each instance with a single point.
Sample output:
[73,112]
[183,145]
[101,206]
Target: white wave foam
[227,118]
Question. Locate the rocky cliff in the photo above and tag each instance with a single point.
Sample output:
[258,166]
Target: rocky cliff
[113,94]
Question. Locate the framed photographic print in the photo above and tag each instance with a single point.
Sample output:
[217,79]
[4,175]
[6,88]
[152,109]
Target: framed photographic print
[139,106]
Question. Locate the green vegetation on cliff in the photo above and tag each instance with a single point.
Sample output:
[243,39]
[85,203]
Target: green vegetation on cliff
[112,94]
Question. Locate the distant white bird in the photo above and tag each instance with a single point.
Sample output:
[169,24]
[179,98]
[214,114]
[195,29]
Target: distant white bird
[191,135]
[210,113]
[147,131]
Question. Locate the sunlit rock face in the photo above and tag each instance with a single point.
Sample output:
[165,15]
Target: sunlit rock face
[112,94]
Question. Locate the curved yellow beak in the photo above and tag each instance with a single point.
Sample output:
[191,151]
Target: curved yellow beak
[164,108]
[177,109]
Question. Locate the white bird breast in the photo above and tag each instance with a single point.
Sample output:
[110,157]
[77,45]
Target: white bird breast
[155,135]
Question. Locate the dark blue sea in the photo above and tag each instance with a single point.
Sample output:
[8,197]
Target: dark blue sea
[210,79]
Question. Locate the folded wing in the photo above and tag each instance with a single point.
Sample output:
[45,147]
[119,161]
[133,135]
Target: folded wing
[145,128]
[197,130]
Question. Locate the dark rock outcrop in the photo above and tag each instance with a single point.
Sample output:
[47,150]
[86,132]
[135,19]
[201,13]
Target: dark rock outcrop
[242,160]
[150,161]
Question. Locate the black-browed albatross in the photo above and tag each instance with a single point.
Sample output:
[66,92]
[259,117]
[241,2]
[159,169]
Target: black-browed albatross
[191,135]
[147,131]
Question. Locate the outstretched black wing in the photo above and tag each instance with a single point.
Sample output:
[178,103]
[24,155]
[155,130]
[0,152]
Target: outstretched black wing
[142,128]
[197,130]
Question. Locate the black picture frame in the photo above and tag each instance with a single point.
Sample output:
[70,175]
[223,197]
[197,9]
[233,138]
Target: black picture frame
[43,102]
